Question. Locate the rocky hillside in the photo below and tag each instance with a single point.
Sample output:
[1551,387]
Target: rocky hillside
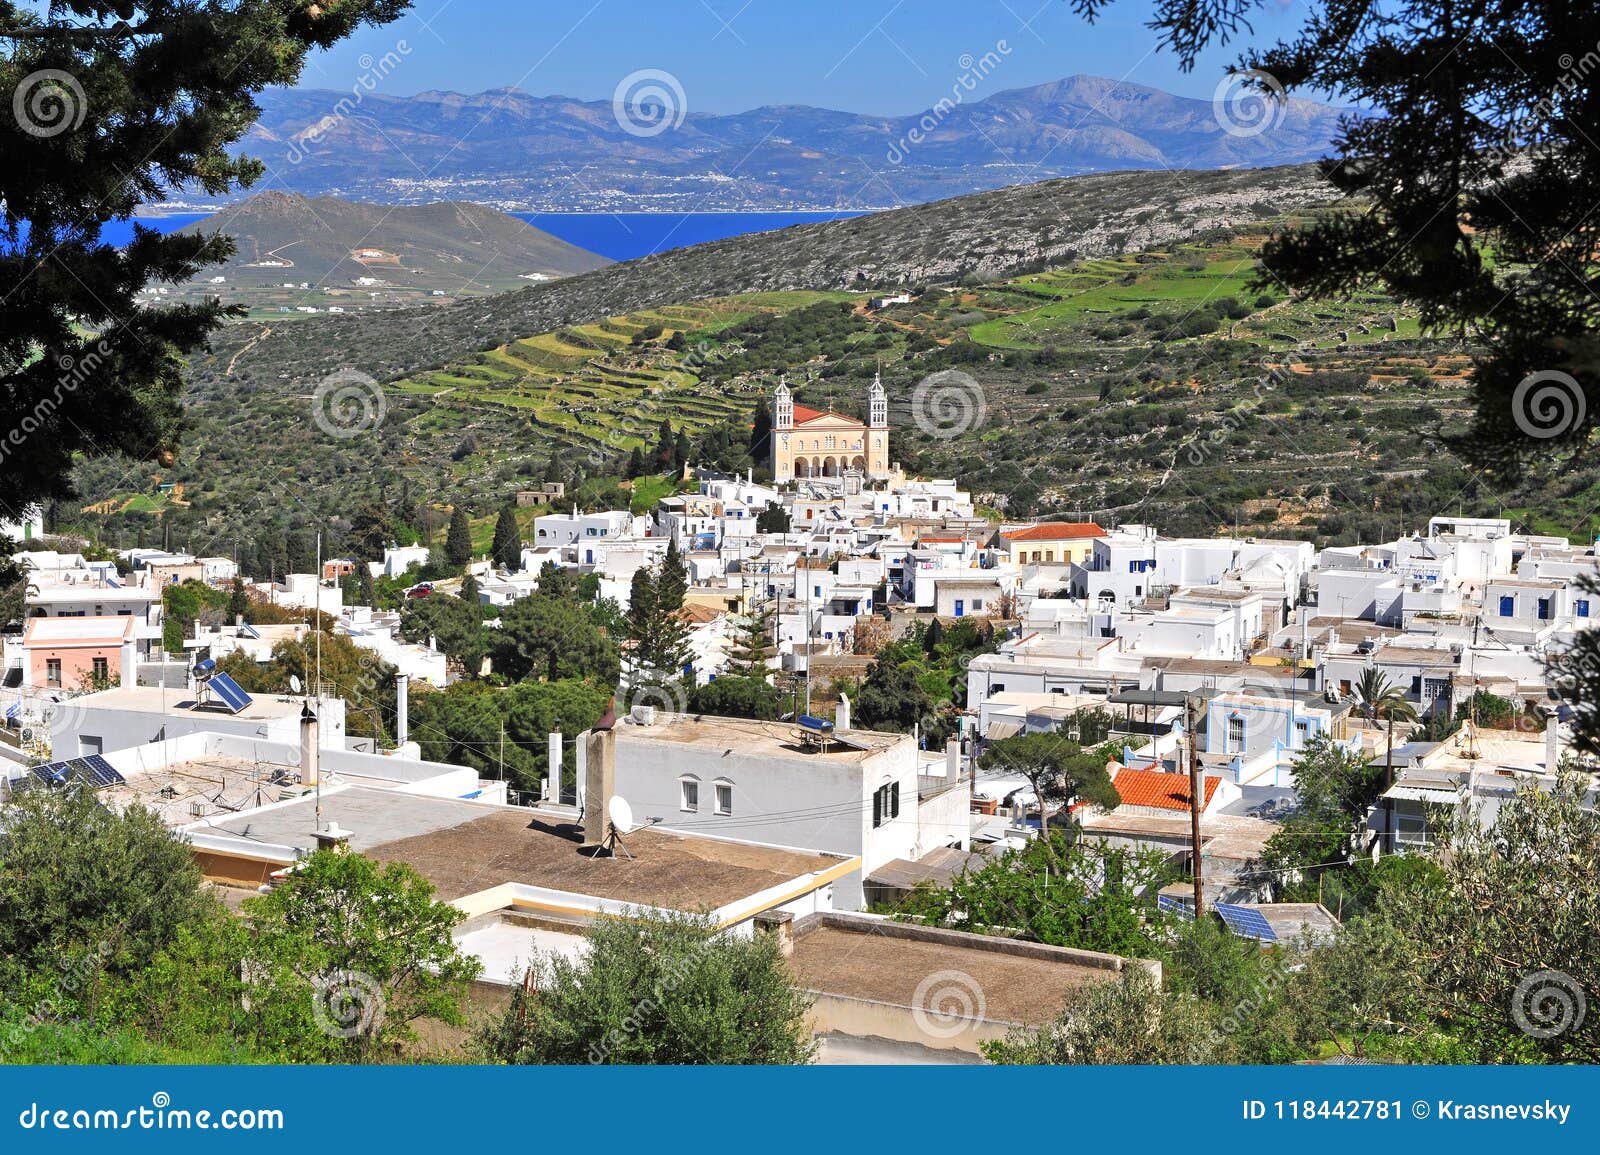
[366,255]
[984,236]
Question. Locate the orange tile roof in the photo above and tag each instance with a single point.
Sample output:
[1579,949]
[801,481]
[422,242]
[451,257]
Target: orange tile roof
[804,413]
[1055,531]
[1159,789]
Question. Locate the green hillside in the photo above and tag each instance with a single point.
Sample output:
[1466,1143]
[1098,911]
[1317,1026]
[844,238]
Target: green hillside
[1163,385]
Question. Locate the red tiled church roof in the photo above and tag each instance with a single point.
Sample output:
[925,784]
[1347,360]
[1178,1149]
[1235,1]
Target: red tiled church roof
[804,413]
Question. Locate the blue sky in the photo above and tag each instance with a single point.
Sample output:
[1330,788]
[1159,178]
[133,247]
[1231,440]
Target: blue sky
[878,56]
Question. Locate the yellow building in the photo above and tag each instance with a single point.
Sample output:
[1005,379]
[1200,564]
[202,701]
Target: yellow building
[1051,542]
[817,443]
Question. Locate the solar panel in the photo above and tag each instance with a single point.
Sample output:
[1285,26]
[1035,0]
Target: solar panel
[229,691]
[248,631]
[1173,905]
[101,773]
[53,773]
[1246,922]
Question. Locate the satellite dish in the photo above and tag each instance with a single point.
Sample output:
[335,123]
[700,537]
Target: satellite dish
[294,683]
[620,813]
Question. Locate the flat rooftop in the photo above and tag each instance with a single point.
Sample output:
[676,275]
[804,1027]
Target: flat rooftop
[467,847]
[890,963]
[157,700]
[668,870]
[770,739]
[211,785]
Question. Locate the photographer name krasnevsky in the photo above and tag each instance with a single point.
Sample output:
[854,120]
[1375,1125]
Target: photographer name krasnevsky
[1514,1112]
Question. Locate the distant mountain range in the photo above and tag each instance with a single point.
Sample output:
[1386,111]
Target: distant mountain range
[514,150]
[355,254]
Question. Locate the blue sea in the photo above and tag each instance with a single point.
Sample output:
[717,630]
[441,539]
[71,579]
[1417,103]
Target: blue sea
[620,236]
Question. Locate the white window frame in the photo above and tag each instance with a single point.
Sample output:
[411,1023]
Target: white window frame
[689,794]
[720,791]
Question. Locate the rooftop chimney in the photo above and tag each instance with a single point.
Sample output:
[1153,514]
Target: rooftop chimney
[130,663]
[600,772]
[333,837]
[1552,744]
[952,760]
[310,754]
[779,924]
[402,709]
[841,716]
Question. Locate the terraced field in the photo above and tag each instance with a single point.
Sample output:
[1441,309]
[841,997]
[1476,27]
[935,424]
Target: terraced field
[604,388]
[1164,385]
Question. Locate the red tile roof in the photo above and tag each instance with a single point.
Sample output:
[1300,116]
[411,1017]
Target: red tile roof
[804,413]
[1159,789]
[1055,531]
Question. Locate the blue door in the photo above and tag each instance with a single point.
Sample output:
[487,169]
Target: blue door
[961,608]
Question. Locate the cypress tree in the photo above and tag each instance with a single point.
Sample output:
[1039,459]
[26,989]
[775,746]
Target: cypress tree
[507,548]
[458,541]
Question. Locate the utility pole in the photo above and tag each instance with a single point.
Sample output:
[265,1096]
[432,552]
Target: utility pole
[1193,724]
[808,651]
[316,620]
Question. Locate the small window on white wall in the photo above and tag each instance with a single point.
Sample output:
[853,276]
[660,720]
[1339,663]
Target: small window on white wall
[724,797]
[688,794]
